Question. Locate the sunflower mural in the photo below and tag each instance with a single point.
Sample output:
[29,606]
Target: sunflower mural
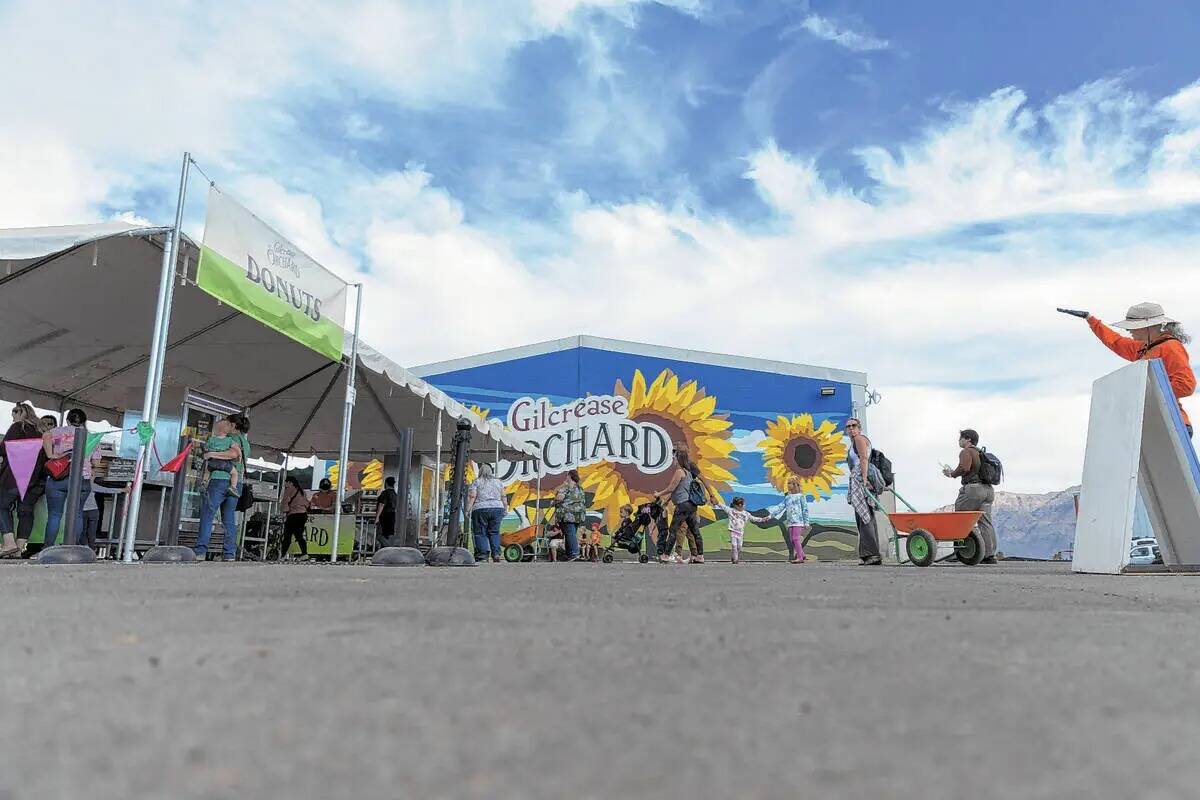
[367,475]
[686,412]
[796,448]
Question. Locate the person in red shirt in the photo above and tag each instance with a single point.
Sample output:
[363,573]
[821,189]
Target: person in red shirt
[1152,335]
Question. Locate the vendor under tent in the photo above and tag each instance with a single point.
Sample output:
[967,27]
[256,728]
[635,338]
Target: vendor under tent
[75,329]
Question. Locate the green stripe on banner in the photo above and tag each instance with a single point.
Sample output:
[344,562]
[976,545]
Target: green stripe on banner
[260,294]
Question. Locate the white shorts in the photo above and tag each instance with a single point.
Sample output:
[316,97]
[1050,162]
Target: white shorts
[558,544]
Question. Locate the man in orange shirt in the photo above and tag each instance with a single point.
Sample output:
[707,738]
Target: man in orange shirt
[1154,335]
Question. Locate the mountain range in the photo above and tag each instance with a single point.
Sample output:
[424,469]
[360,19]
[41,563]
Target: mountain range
[1034,525]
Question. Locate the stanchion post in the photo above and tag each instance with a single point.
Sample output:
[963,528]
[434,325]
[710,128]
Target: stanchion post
[462,440]
[70,526]
[158,355]
[403,488]
[347,414]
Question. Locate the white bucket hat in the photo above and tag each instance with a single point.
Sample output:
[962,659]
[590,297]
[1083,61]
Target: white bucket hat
[1144,315]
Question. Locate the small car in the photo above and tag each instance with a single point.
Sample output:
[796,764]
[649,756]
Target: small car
[1142,555]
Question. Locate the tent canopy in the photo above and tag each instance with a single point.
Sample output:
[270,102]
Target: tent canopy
[75,329]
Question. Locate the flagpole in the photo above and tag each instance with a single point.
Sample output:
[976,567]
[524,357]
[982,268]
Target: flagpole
[347,413]
[158,355]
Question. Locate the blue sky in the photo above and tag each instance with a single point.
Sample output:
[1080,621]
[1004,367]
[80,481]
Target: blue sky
[902,188]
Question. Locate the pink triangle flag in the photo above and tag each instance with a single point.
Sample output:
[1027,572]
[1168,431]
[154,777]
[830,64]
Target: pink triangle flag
[22,458]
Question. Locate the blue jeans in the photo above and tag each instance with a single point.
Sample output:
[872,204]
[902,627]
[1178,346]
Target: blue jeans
[56,504]
[485,524]
[571,534]
[217,496]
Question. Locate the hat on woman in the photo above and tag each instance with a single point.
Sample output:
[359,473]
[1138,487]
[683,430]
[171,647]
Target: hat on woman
[1144,315]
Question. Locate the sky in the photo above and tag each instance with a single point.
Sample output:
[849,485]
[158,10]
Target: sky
[907,189]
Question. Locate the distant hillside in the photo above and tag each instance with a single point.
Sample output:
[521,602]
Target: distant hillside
[1034,525]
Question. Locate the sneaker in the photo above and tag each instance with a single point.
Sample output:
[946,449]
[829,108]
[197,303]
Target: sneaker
[989,560]
[302,557]
[229,558]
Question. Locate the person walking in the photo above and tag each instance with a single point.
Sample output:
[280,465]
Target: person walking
[385,513]
[685,513]
[485,504]
[975,495]
[1153,335]
[570,505]
[227,449]
[24,426]
[793,512]
[858,495]
[737,516]
[59,443]
[295,511]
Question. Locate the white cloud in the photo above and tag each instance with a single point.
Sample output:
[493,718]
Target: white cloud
[830,31]
[358,126]
[747,441]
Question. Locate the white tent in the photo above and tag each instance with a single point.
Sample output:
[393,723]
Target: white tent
[76,318]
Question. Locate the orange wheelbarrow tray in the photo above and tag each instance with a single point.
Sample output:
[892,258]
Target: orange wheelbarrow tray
[523,544]
[922,532]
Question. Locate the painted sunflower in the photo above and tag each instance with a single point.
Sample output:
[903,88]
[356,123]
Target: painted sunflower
[794,447]
[686,412]
[370,474]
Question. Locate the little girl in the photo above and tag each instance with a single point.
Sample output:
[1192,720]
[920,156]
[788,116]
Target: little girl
[794,513]
[737,513]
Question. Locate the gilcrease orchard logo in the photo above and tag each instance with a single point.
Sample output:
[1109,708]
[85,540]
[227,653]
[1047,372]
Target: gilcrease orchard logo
[585,431]
[283,258]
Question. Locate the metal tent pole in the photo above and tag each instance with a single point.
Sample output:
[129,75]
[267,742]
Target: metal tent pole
[436,533]
[347,414]
[154,369]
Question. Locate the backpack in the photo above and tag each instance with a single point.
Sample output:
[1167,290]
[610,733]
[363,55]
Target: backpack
[991,471]
[697,495]
[884,465]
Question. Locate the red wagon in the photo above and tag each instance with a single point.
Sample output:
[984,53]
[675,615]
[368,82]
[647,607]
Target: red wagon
[922,532]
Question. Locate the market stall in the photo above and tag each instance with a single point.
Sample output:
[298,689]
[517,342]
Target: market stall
[79,310]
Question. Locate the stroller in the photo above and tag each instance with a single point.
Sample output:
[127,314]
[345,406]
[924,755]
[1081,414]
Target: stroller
[632,532]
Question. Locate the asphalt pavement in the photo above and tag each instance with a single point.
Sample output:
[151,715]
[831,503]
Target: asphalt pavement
[596,681]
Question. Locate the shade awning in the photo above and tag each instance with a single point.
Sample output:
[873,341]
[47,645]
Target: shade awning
[76,317]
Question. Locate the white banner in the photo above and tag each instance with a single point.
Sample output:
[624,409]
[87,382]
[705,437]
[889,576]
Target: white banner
[249,265]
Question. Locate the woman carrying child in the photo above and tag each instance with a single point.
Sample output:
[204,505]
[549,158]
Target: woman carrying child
[225,453]
[737,514]
[793,511]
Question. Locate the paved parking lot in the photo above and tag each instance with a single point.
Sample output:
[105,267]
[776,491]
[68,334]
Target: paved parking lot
[593,681]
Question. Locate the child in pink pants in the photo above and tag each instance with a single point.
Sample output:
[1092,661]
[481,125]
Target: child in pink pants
[793,511]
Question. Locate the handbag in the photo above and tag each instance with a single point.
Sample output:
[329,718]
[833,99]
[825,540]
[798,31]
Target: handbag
[59,468]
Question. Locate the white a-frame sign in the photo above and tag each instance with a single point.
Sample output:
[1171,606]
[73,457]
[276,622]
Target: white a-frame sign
[1141,471]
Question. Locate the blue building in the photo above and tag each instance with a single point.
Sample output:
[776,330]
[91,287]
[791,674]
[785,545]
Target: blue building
[613,411]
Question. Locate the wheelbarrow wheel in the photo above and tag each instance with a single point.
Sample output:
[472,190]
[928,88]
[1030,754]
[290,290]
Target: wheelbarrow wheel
[921,547]
[513,553]
[970,550]
[608,558]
